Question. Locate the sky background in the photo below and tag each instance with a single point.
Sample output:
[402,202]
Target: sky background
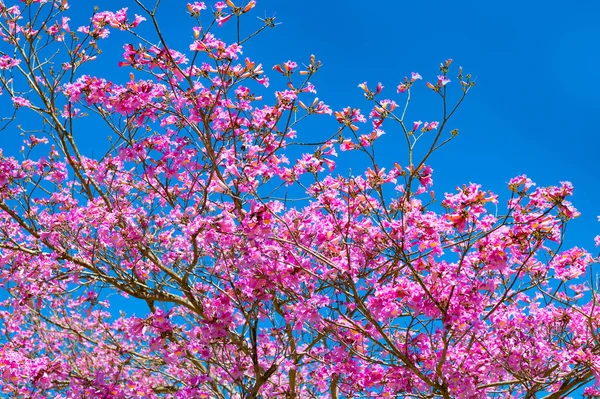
[532,112]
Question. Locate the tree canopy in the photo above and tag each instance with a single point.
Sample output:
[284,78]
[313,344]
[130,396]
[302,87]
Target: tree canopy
[179,235]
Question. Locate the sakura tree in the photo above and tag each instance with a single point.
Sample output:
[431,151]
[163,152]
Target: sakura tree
[212,250]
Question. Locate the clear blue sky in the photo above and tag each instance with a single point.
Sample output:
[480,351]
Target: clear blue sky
[535,105]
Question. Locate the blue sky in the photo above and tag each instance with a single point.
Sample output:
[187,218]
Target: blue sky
[532,112]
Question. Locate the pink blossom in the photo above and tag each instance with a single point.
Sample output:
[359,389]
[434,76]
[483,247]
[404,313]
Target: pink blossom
[443,80]
[220,5]
[65,24]
[196,7]
[415,76]
[7,62]
[428,126]
[223,19]
[21,102]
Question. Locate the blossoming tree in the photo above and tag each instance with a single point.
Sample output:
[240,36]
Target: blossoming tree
[262,271]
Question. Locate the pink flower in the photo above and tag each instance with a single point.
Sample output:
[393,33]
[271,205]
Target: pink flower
[223,19]
[7,62]
[443,80]
[33,141]
[425,176]
[429,126]
[196,7]
[65,24]
[349,116]
[21,102]
[197,45]
[290,65]
[138,19]
[516,182]
[347,145]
